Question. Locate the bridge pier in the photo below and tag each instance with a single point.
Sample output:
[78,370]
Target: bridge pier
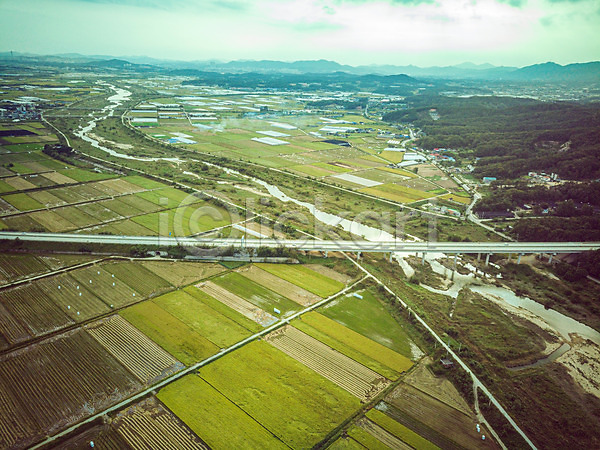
[550,258]
[478,256]
[487,259]
[326,253]
[358,255]
[509,257]
[423,259]
[519,258]
[391,254]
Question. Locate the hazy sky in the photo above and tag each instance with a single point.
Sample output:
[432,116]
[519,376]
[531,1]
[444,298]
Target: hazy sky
[420,32]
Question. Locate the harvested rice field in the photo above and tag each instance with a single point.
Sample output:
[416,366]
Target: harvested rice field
[274,283]
[355,378]
[49,385]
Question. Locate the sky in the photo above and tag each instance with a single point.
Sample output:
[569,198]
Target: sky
[356,32]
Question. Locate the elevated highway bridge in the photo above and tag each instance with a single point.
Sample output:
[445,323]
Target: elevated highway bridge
[354,246]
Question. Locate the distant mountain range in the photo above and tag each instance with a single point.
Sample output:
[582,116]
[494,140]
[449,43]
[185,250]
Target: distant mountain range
[549,72]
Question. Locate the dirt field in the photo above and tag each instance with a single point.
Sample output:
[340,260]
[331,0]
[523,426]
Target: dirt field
[341,277]
[238,304]
[49,385]
[182,273]
[34,309]
[59,178]
[52,221]
[142,357]
[19,183]
[67,298]
[276,284]
[437,422]
[118,185]
[149,425]
[355,378]
[440,388]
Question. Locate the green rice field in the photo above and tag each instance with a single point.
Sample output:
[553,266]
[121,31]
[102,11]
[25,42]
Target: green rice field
[305,278]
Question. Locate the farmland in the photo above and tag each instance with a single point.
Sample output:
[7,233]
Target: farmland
[354,345]
[174,336]
[294,387]
[437,422]
[274,283]
[74,373]
[341,370]
[370,317]
[287,398]
[144,359]
[191,310]
[237,303]
[180,273]
[206,411]
[256,294]
[305,278]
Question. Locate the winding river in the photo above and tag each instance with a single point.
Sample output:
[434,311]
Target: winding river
[116,100]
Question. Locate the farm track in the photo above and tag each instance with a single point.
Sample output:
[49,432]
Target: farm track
[350,375]
[238,304]
[141,356]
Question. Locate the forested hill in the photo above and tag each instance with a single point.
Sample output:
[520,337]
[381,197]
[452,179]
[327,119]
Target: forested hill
[512,136]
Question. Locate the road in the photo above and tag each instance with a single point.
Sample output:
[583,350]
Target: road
[313,244]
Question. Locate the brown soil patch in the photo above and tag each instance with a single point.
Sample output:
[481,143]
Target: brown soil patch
[52,221]
[120,186]
[143,358]
[337,276]
[289,290]
[60,381]
[59,178]
[427,170]
[438,387]
[450,428]
[19,183]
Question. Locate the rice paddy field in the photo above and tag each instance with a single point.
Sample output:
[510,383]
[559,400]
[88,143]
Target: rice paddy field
[293,388]
[55,197]
[230,127]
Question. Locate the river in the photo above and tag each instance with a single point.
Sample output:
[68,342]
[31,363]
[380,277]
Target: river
[115,100]
[563,324]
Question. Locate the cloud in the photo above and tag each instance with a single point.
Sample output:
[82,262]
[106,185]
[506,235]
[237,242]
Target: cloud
[514,3]
[440,32]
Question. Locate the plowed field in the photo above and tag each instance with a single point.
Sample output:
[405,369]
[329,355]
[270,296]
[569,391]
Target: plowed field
[47,386]
[142,357]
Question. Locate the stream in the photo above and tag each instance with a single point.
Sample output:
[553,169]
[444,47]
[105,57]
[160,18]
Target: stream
[116,100]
